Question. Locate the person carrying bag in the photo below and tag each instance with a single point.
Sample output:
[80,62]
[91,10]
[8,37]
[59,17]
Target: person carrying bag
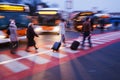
[86,31]
[13,36]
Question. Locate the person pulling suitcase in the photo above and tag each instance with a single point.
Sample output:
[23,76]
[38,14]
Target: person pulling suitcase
[86,31]
[62,31]
[57,45]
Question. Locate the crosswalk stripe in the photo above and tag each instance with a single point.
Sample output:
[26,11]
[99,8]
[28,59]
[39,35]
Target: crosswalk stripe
[56,54]
[69,50]
[37,59]
[41,49]
[104,41]
[16,59]
[97,42]
[13,66]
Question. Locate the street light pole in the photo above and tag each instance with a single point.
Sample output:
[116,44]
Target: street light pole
[69,6]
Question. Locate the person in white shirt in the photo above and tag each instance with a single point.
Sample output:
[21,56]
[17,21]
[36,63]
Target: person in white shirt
[62,30]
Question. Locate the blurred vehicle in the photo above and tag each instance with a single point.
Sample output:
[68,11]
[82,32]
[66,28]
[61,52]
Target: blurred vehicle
[2,35]
[18,12]
[95,17]
[48,20]
[79,18]
[115,20]
[105,17]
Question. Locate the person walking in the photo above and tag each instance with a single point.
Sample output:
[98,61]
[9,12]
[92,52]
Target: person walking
[30,37]
[86,31]
[62,30]
[13,36]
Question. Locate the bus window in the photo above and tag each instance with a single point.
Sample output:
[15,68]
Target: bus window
[48,20]
[18,12]
[79,18]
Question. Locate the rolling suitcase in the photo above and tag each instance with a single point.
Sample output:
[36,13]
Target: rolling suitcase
[56,46]
[75,45]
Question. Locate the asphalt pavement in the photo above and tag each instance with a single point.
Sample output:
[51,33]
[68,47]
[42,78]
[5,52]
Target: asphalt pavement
[98,63]
[101,64]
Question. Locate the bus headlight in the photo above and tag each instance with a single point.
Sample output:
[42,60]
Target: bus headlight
[2,35]
[38,30]
[57,29]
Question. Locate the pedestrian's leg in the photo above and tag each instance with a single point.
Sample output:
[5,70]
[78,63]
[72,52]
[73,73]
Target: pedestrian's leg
[13,48]
[27,47]
[16,47]
[63,39]
[35,46]
[28,44]
[89,41]
[83,41]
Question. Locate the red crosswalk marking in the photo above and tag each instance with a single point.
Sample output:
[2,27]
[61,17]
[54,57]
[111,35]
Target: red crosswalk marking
[25,63]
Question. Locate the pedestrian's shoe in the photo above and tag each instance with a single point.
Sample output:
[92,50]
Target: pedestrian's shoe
[36,48]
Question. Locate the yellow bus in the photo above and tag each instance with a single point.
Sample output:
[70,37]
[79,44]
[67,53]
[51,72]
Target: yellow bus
[48,20]
[18,12]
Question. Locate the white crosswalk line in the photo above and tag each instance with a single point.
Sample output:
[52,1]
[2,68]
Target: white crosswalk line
[103,40]
[49,46]
[68,50]
[56,54]
[97,42]
[13,66]
[68,45]
[41,50]
[69,41]
[94,45]
[37,59]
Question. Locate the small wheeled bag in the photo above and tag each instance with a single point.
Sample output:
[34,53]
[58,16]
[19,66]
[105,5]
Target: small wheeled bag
[75,45]
[56,46]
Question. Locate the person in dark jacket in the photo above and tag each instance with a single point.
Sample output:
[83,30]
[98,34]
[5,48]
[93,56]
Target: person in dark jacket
[30,37]
[86,31]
